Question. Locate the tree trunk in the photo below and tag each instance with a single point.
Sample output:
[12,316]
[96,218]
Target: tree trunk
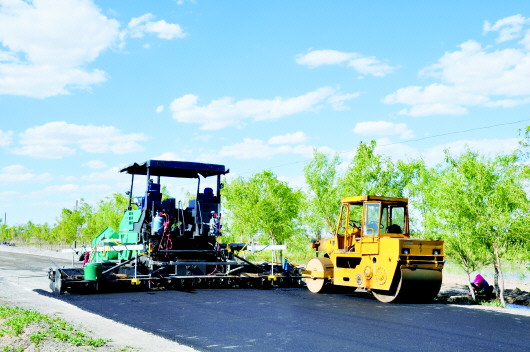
[498,276]
[469,285]
[274,258]
[468,272]
[496,280]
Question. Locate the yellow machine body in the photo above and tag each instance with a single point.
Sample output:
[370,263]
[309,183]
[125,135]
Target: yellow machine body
[372,249]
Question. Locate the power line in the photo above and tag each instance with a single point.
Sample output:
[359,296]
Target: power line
[457,132]
[414,140]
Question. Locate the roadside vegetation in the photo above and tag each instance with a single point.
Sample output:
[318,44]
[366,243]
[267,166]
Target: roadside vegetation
[25,329]
[479,205]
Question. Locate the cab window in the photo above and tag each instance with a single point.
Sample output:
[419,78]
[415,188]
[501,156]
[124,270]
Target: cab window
[356,214]
[342,224]
[371,220]
[394,216]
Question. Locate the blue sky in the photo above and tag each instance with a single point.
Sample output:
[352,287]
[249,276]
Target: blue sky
[87,87]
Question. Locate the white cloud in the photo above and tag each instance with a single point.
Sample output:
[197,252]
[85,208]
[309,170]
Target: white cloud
[295,182]
[112,174]
[205,138]
[526,40]
[139,26]
[383,128]
[289,138]
[96,164]
[396,151]
[55,140]
[72,190]
[20,174]
[337,100]
[159,109]
[363,64]
[472,76]
[259,149]
[435,154]
[168,156]
[487,147]
[6,56]
[48,57]
[317,58]
[5,138]
[509,27]
[227,111]
[9,196]
[249,149]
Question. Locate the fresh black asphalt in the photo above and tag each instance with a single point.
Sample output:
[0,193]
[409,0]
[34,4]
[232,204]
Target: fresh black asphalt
[297,320]
[294,319]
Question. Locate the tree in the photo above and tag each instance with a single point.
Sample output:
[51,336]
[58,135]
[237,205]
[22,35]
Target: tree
[323,199]
[373,174]
[86,221]
[68,225]
[239,199]
[108,213]
[506,223]
[420,181]
[278,207]
[446,217]
[5,234]
[263,205]
[481,209]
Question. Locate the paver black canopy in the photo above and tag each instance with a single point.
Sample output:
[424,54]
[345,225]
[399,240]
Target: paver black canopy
[183,169]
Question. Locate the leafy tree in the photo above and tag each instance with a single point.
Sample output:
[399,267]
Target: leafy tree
[86,222]
[277,208]
[5,234]
[239,199]
[525,141]
[506,223]
[323,199]
[263,205]
[481,209]
[68,225]
[373,174]
[108,212]
[446,216]
[420,181]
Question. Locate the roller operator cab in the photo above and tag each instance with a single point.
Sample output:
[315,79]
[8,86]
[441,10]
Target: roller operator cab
[372,249]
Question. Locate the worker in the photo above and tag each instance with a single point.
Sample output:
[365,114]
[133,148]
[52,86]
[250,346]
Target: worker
[215,224]
[481,287]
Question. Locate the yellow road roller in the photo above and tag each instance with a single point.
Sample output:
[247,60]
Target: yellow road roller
[372,249]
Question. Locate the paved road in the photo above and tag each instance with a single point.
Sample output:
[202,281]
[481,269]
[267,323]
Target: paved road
[296,320]
[22,276]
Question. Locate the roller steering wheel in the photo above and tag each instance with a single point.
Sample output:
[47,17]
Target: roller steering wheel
[354,223]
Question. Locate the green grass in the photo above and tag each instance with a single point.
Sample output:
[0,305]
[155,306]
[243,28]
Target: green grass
[491,303]
[13,321]
[12,349]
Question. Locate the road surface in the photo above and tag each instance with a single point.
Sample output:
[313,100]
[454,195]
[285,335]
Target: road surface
[299,321]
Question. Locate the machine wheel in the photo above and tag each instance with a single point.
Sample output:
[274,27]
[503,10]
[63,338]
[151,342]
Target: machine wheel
[413,286]
[321,270]
[56,282]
